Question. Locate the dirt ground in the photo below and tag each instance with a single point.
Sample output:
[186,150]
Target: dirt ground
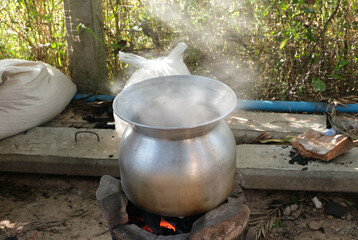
[307,222]
[50,207]
[47,207]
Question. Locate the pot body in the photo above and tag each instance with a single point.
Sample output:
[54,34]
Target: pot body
[178,172]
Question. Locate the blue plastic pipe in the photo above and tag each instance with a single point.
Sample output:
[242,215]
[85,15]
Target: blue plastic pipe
[92,98]
[290,106]
[255,105]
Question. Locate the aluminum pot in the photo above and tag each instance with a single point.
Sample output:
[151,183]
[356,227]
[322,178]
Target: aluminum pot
[177,154]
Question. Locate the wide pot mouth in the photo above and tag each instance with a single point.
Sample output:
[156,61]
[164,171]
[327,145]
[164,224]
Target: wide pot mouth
[175,102]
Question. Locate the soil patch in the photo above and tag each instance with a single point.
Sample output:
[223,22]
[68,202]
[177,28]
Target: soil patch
[306,222]
[50,207]
[65,207]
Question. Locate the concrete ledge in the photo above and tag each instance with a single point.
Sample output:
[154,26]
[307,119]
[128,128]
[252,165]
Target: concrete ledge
[247,126]
[267,167]
[56,151]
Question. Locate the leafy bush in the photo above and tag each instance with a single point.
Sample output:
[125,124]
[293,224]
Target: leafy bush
[276,50]
[34,30]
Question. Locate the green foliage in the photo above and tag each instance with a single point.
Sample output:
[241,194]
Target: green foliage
[349,203]
[131,27]
[294,198]
[318,85]
[309,48]
[276,50]
[30,30]
[277,224]
[309,10]
[340,65]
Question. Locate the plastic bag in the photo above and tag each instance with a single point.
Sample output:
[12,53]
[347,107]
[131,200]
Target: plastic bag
[31,93]
[172,64]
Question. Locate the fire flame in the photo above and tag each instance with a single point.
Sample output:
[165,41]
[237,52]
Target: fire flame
[147,228]
[163,224]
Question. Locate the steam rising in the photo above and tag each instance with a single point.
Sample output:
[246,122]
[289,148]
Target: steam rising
[213,31]
[214,28]
[175,102]
[169,112]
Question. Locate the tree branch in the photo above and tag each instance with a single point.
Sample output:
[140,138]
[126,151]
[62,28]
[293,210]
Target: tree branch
[326,25]
[318,40]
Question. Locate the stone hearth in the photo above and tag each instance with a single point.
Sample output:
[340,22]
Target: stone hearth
[225,222]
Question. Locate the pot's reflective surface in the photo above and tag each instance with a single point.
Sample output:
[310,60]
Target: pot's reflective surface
[177,155]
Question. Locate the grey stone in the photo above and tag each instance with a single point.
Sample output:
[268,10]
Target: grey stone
[296,214]
[225,222]
[314,225]
[293,207]
[250,234]
[237,195]
[302,225]
[182,236]
[112,202]
[108,185]
[317,203]
[132,232]
[287,211]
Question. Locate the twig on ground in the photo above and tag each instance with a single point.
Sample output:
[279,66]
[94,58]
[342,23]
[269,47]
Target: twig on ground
[259,137]
[43,224]
[263,224]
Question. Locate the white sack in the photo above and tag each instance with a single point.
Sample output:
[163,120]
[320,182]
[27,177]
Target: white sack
[31,93]
[172,64]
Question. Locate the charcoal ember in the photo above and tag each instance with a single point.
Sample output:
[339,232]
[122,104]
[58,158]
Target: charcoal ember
[335,209]
[151,219]
[225,222]
[299,159]
[182,225]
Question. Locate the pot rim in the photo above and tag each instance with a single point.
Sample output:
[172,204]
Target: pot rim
[169,78]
